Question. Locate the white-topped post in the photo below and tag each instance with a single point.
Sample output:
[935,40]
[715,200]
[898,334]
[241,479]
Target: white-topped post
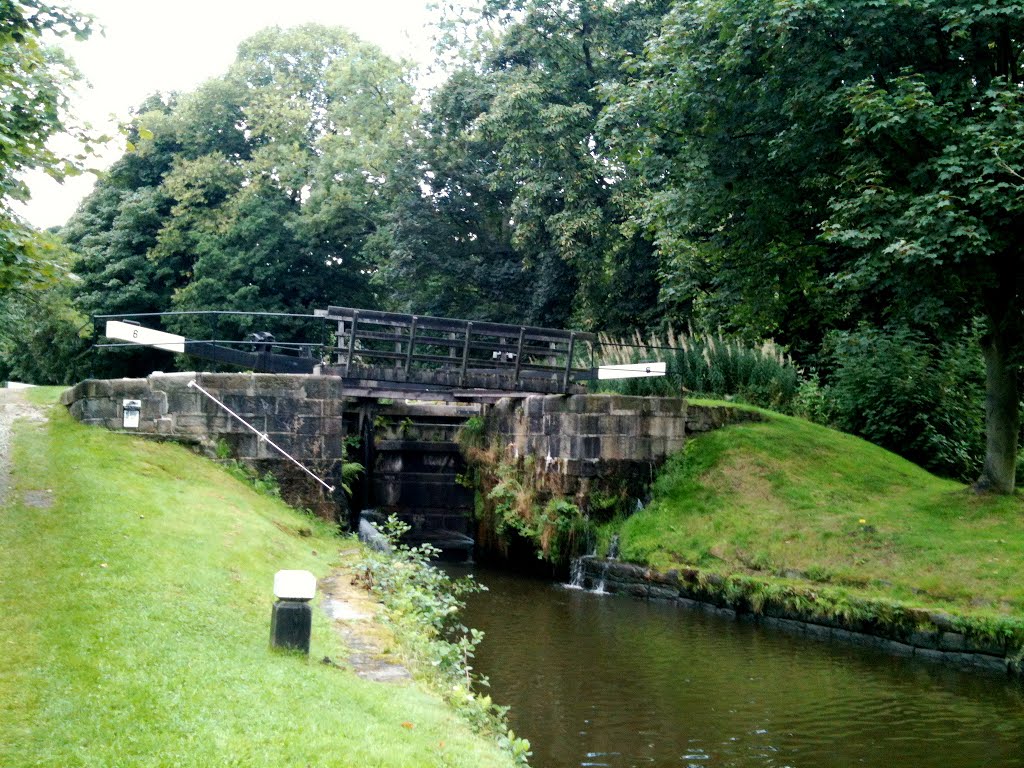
[292,617]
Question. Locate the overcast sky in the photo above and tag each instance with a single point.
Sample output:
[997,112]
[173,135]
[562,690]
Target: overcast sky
[147,47]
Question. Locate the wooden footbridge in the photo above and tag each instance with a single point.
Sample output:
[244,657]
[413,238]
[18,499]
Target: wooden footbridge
[387,354]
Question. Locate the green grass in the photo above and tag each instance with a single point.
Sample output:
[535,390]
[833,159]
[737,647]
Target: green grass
[136,609]
[787,499]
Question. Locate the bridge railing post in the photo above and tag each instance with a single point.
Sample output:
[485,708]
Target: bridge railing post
[465,355]
[519,356]
[352,341]
[568,362]
[412,343]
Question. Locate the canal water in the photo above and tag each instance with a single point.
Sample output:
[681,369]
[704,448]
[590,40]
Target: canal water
[601,680]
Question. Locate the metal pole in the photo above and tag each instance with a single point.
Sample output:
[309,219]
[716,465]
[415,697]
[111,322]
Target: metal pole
[263,437]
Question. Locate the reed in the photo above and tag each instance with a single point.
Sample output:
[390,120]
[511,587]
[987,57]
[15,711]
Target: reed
[712,365]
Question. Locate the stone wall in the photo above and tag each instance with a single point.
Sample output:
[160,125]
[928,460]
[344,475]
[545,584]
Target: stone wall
[303,414]
[575,439]
[599,452]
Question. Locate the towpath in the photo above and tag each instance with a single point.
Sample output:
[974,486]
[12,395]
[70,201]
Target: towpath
[13,406]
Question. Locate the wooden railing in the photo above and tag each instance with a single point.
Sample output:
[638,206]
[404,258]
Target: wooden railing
[465,351]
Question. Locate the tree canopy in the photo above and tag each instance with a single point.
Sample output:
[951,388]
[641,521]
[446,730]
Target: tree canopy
[256,191]
[34,82]
[512,177]
[843,177]
[815,163]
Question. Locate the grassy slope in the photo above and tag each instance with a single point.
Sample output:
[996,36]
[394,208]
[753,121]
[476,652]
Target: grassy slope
[789,498]
[136,618]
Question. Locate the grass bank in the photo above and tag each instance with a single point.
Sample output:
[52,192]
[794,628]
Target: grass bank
[789,502]
[136,599]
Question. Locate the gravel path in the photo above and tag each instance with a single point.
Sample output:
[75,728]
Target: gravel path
[13,406]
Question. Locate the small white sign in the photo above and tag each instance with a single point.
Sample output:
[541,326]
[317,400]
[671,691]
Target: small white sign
[294,585]
[130,412]
[631,371]
[116,329]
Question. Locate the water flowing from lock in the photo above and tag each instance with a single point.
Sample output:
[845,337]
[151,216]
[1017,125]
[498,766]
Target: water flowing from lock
[600,680]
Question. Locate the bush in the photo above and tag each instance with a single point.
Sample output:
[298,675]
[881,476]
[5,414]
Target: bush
[422,605]
[922,400]
[712,366]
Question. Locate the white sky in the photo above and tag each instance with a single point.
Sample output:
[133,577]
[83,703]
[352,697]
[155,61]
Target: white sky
[147,47]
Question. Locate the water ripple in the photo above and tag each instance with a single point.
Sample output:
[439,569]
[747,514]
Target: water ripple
[606,681]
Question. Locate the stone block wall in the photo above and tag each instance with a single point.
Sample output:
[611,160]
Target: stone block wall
[586,436]
[577,433]
[599,452]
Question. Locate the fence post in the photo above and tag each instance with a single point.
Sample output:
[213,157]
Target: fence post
[412,343]
[519,356]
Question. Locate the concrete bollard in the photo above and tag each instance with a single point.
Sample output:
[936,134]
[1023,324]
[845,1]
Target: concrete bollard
[292,616]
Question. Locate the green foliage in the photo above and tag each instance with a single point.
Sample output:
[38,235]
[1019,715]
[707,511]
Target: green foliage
[710,365]
[42,338]
[916,398]
[350,472]
[34,86]
[472,433]
[798,185]
[513,503]
[256,192]
[811,400]
[422,605]
[510,209]
[266,484]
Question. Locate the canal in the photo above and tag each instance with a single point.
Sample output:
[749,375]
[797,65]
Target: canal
[599,680]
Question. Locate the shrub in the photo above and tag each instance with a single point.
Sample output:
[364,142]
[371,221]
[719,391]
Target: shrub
[918,398]
[422,605]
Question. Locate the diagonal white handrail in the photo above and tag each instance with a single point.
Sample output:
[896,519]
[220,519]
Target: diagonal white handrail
[264,437]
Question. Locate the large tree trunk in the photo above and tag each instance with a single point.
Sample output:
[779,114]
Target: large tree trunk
[1002,412]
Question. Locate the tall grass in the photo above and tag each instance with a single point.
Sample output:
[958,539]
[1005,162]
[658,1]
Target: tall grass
[713,365]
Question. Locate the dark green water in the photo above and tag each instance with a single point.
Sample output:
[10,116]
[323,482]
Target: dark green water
[598,680]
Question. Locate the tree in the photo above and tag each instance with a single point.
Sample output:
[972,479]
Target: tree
[33,88]
[445,244]
[513,181]
[823,162]
[255,192]
[43,339]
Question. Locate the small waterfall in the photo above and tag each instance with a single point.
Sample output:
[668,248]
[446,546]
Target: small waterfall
[577,569]
[613,547]
[599,589]
[576,574]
